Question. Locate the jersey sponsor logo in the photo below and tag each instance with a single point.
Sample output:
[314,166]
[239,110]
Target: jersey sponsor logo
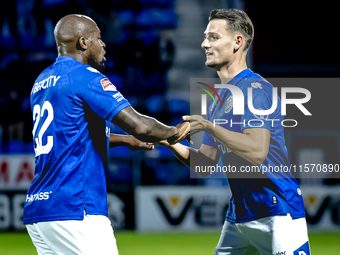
[299,191]
[107,132]
[38,196]
[92,70]
[274,200]
[256,85]
[221,147]
[118,96]
[45,84]
[107,85]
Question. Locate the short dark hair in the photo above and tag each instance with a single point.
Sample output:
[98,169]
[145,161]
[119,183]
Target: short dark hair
[237,21]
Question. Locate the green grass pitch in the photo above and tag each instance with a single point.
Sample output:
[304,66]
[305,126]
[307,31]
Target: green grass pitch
[130,242]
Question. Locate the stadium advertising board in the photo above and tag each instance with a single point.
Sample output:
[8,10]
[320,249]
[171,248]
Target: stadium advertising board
[16,171]
[202,208]
[16,175]
[180,208]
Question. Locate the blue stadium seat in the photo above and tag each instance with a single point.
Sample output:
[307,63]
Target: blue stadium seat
[157,3]
[164,18]
[28,147]
[179,106]
[116,80]
[144,18]
[6,37]
[126,17]
[16,147]
[119,171]
[120,152]
[155,103]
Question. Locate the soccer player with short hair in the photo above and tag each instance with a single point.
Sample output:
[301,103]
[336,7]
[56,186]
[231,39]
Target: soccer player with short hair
[266,213]
[73,104]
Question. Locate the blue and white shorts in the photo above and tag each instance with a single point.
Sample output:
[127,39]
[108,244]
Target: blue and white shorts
[274,235]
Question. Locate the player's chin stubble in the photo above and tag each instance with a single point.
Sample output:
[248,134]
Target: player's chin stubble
[211,64]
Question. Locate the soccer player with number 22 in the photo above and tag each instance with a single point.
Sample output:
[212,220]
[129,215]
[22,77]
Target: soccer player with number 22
[73,104]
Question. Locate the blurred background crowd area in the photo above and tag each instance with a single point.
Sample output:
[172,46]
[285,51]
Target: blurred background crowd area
[153,49]
[139,53]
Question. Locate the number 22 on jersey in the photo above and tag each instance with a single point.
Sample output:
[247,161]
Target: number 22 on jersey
[38,113]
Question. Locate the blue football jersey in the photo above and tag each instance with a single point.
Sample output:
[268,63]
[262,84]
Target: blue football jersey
[72,106]
[256,194]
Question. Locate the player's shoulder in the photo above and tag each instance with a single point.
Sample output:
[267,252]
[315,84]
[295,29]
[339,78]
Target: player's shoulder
[86,72]
[257,83]
[87,75]
[44,74]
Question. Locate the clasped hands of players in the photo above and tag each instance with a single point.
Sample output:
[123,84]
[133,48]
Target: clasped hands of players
[193,124]
[189,126]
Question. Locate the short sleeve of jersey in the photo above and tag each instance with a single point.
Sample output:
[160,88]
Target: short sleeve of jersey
[100,94]
[208,139]
[261,100]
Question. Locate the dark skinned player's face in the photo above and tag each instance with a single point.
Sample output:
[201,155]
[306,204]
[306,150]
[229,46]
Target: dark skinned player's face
[96,57]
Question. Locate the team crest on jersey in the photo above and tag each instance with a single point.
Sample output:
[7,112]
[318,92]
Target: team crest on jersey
[107,85]
[228,104]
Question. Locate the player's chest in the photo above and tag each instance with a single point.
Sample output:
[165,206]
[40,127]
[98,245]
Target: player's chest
[222,114]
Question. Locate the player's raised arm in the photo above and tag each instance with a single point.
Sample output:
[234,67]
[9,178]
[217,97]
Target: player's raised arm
[146,128]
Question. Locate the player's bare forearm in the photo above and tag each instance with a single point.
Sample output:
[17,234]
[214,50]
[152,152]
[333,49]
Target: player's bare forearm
[118,140]
[146,128]
[192,157]
[129,141]
[252,144]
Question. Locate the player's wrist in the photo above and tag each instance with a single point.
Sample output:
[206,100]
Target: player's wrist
[208,126]
[130,141]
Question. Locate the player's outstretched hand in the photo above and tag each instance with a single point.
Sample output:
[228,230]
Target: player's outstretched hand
[197,123]
[135,145]
[183,133]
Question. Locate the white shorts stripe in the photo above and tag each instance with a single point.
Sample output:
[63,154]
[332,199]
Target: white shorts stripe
[275,235]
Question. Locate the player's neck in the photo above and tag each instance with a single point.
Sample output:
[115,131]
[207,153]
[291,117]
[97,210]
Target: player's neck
[75,56]
[229,71]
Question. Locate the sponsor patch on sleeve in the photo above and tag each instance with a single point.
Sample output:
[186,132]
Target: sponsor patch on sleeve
[107,85]
[92,70]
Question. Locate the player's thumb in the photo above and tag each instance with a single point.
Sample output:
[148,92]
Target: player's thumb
[186,118]
[149,146]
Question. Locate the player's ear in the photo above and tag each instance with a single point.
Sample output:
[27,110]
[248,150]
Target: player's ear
[238,42]
[82,43]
